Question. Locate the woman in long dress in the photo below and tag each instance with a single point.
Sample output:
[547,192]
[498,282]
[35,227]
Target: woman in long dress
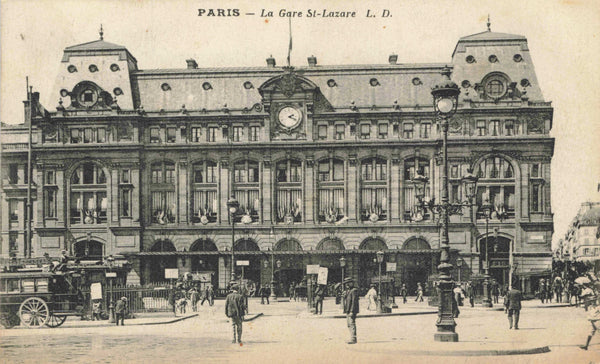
[372,298]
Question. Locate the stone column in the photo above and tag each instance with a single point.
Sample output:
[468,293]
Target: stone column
[266,215]
[353,191]
[183,200]
[310,193]
[395,189]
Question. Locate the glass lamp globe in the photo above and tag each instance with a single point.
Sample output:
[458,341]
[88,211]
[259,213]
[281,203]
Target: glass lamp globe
[445,105]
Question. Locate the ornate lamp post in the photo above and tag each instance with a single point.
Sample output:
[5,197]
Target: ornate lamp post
[445,103]
[233,206]
[487,211]
[110,261]
[380,255]
[343,265]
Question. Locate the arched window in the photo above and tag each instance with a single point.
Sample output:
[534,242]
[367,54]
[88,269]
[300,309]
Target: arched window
[330,186]
[374,189]
[412,167]
[496,185]
[88,198]
[288,245]
[288,197]
[246,189]
[163,200]
[373,244]
[163,245]
[203,245]
[88,249]
[204,192]
[416,244]
[330,244]
[246,245]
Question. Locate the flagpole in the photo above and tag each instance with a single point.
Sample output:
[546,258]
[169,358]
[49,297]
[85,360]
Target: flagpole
[290,45]
[29,173]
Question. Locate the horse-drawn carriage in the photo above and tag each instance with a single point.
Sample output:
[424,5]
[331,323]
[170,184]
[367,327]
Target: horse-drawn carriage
[36,299]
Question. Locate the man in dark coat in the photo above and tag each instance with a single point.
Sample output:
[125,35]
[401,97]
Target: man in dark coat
[235,309]
[351,307]
[120,310]
[265,292]
[319,296]
[404,292]
[512,306]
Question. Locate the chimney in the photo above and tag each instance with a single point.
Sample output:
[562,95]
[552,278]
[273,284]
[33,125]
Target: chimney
[393,58]
[191,64]
[312,61]
[271,61]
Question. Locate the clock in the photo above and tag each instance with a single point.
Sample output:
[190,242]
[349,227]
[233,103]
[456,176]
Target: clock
[289,117]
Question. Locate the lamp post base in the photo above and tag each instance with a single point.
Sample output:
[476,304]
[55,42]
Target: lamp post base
[446,337]
[487,300]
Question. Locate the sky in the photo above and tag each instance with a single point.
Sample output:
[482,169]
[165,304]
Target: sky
[563,38]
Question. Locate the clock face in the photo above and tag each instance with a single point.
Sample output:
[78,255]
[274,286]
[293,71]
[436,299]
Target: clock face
[290,117]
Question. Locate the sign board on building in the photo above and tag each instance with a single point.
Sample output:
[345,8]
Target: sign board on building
[390,267]
[244,263]
[111,274]
[312,269]
[171,273]
[96,291]
[322,277]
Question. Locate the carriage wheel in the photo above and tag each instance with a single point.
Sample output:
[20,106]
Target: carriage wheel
[34,312]
[56,321]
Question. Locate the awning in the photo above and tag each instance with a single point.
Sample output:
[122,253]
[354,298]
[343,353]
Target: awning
[296,252]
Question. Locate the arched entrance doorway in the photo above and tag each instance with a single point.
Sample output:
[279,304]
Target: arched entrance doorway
[289,267]
[498,255]
[368,268]
[416,265]
[242,252]
[88,249]
[157,264]
[205,266]
[331,247]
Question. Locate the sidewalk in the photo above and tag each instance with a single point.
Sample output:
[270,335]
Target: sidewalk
[154,318]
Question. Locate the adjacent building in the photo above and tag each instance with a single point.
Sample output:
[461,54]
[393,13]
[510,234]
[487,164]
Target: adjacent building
[142,163]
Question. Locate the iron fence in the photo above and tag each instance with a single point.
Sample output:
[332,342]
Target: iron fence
[146,298]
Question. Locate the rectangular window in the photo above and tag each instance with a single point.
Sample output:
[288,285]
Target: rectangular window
[125,202]
[395,129]
[154,135]
[340,132]
[331,204]
[125,176]
[163,205]
[365,131]
[454,193]
[253,137]
[352,130]
[13,207]
[170,174]
[196,134]
[322,132]
[454,171]
[101,135]
[171,135]
[157,175]
[324,171]
[88,135]
[50,202]
[425,130]
[211,135]
[13,173]
[535,170]
[50,178]
[225,132]
[75,138]
[495,127]
[509,128]
[382,133]
[535,198]
[238,133]
[481,129]
[407,132]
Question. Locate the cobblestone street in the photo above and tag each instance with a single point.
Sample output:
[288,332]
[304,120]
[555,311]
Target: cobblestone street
[286,332]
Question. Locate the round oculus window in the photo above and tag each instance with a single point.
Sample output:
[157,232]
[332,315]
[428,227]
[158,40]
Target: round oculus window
[466,84]
[517,58]
[117,91]
[206,86]
[72,69]
[417,81]
[493,58]
[64,93]
[114,67]
[470,59]
[165,87]
[93,68]
[88,97]
[495,86]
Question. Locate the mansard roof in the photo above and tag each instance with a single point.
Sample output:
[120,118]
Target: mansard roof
[94,46]
[488,35]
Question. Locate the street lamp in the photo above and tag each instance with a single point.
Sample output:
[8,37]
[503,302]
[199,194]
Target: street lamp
[233,205]
[110,262]
[380,255]
[487,208]
[272,296]
[445,103]
[342,265]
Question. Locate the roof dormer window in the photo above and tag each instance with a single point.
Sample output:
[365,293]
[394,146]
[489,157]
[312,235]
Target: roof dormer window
[93,68]
[88,97]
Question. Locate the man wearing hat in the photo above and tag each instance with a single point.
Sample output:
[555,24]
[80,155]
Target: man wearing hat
[235,309]
[120,310]
[351,307]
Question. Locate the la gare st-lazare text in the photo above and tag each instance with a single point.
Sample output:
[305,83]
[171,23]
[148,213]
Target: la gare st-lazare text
[284,13]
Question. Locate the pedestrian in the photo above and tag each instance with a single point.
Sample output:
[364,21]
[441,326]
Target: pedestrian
[542,290]
[265,292]
[235,309]
[512,306]
[96,306]
[495,291]
[172,299]
[204,296]
[593,317]
[120,310]
[319,296]
[557,286]
[194,298]
[244,292]
[351,307]
[455,310]
[457,295]
[471,293]
[404,292]
[419,293]
[372,298]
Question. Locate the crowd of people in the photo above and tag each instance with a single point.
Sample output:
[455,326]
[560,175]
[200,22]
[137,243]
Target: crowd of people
[185,296]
